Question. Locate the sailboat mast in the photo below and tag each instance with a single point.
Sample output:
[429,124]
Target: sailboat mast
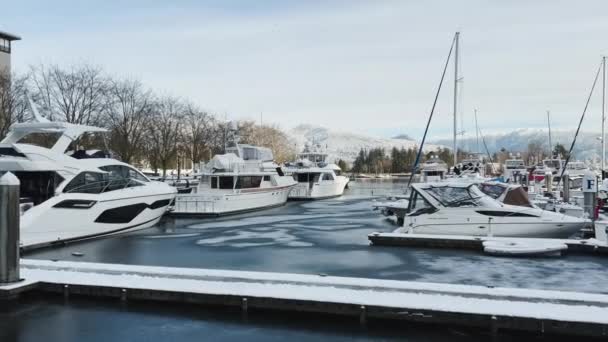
[477,130]
[549,124]
[455,151]
[603,114]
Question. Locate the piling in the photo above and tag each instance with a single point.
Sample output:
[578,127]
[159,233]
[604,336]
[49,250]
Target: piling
[566,182]
[549,181]
[590,194]
[9,228]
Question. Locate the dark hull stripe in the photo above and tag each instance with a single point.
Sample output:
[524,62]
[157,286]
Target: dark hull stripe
[126,214]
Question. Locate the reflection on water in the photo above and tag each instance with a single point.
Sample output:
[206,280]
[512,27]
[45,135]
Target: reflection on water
[39,318]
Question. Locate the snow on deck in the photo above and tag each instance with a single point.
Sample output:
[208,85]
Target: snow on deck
[587,245]
[465,299]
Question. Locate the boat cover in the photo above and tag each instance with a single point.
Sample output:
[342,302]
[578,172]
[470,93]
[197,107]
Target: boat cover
[224,161]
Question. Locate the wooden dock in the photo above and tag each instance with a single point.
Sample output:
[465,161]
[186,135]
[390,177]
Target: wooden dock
[494,309]
[586,246]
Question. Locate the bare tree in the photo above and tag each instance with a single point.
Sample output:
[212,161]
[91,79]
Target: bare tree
[76,94]
[268,136]
[163,132]
[128,109]
[13,105]
[197,133]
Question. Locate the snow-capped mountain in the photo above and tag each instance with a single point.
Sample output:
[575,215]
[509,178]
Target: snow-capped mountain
[344,145]
[588,146]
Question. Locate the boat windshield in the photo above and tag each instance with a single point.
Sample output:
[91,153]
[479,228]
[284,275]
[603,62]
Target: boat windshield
[40,139]
[461,197]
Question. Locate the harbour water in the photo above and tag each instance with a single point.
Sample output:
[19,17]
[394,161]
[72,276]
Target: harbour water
[322,237]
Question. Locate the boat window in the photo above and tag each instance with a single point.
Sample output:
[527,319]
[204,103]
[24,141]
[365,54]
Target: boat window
[492,190]
[226,182]
[307,177]
[213,182]
[499,213]
[37,186]
[88,183]
[119,177]
[267,178]
[328,177]
[454,196]
[41,139]
[246,182]
[419,205]
[134,174]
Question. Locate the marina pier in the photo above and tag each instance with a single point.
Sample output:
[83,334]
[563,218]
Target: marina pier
[494,309]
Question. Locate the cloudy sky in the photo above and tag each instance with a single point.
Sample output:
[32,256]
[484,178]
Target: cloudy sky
[364,66]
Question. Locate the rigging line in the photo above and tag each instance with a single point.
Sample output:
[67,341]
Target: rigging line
[597,75]
[483,140]
[428,123]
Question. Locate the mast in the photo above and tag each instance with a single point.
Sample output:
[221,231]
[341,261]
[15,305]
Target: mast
[603,114]
[477,130]
[550,145]
[455,151]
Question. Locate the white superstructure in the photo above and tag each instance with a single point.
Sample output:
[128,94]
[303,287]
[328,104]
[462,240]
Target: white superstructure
[244,179]
[80,194]
[433,170]
[463,209]
[316,179]
[514,169]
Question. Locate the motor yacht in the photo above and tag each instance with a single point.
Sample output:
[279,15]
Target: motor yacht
[463,209]
[433,170]
[77,195]
[316,179]
[515,170]
[244,179]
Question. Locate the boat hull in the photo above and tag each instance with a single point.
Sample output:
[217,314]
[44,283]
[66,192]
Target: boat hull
[319,190]
[210,204]
[59,220]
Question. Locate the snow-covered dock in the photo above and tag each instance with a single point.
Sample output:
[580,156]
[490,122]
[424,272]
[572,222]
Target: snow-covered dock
[586,246]
[489,308]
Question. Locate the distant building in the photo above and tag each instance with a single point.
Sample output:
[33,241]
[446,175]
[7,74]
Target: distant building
[6,40]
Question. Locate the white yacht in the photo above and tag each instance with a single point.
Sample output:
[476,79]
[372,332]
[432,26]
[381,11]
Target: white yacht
[77,195]
[316,179]
[433,170]
[244,179]
[514,170]
[474,165]
[463,209]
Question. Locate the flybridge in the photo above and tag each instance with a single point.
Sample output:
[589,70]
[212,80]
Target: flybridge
[69,132]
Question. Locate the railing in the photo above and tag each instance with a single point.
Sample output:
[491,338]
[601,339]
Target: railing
[194,204]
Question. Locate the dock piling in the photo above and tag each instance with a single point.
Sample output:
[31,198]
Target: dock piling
[9,228]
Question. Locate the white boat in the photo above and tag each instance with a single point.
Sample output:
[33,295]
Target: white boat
[78,195]
[463,209]
[316,179]
[244,179]
[433,170]
[515,169]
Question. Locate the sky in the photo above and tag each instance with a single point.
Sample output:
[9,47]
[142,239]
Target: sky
[370,67]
